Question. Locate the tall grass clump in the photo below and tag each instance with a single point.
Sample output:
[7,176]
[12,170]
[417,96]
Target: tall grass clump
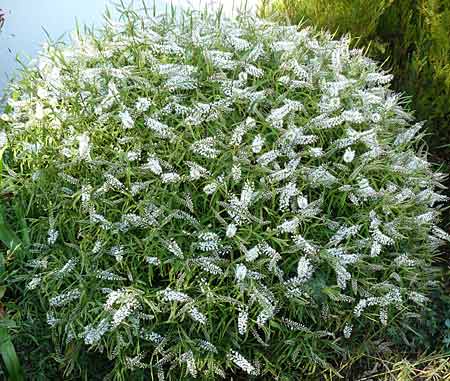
[213,198]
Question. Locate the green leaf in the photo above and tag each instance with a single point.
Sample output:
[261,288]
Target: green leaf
[9,357]
[7,236]
[2,291]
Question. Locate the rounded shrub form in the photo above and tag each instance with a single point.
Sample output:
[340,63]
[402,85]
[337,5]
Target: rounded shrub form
[207,196]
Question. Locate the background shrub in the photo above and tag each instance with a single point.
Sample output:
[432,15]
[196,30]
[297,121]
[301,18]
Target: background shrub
[205,197]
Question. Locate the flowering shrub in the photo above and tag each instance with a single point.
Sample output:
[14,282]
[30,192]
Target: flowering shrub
[208,195]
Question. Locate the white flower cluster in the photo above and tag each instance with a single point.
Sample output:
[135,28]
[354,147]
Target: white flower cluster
[242,363]
[64,298]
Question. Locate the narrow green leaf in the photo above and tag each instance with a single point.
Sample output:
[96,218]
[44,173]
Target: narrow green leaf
[7,236]
[9,357]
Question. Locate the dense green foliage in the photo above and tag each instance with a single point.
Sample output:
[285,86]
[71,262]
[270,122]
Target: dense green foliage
[203,197]
[412,36]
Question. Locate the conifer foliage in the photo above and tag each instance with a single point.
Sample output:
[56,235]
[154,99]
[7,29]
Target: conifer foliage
[208,196]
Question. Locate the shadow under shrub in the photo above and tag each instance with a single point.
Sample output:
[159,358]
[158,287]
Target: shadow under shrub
[207,197]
